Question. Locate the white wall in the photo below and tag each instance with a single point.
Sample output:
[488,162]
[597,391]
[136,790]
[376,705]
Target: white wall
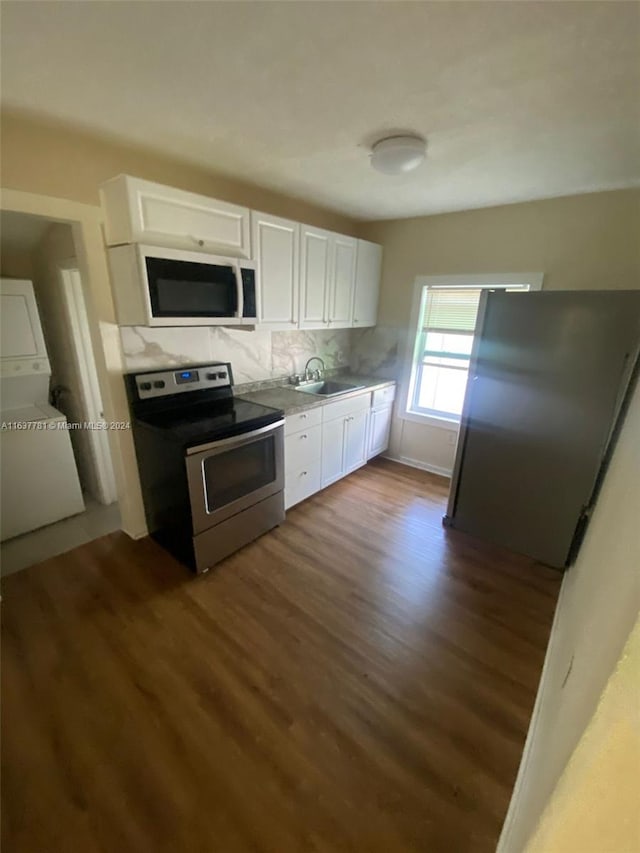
[594,808]
[586,242]
[598,605]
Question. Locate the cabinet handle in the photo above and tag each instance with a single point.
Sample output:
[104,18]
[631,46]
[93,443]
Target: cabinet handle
[303,417]
[304,435]
[197,240]
[303,474]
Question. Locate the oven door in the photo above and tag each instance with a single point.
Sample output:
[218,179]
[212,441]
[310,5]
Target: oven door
[228,476]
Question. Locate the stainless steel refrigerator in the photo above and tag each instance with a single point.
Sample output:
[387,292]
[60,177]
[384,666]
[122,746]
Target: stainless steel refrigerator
[550,377]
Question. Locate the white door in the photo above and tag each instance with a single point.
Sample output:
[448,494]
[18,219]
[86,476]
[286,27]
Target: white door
[342,281]
[276,248]
[20,329]
[315,270]
[355,440]
[367,287]
[379,429]
[332,450]
[91,402]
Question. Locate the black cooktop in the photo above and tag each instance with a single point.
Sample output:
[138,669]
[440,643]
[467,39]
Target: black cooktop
[205,422]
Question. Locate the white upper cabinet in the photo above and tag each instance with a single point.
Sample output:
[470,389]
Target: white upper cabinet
[276,245]
[367,286]
[138,211]
[315,276]
[342,280]
[327,278]
[310,278]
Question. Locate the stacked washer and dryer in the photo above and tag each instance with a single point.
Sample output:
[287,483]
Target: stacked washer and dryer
[38,475]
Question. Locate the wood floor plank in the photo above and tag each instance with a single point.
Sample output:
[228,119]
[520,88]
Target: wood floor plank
[359,679]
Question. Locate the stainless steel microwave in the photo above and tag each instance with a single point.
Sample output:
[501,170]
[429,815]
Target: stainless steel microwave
[156,286]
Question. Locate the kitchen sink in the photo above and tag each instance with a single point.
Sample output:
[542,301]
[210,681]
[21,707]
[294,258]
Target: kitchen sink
[328,388]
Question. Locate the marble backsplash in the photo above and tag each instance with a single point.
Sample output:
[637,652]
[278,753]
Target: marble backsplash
[255,355]
[378,351]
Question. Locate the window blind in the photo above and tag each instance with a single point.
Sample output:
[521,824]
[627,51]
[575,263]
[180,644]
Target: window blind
[451,310]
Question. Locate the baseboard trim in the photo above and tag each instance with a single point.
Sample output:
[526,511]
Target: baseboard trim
[138,534]
[515,804]
[423,466]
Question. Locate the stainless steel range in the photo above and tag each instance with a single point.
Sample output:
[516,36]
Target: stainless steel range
[211,464]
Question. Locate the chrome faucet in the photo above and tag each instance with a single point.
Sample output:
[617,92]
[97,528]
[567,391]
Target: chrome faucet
[314,374]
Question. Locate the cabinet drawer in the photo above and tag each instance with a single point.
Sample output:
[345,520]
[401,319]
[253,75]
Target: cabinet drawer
[302,420]
[302,449]
[349,406]
[301,483]
[384,396]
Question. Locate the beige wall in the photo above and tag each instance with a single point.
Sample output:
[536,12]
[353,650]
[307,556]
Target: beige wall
[598,606]
[580,242]
[49,159]
[594,808]
[15,263]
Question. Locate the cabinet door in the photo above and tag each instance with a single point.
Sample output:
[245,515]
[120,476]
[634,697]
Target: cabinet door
[276,247]
[379,429]
[315,270]
[138,211]
[332,450]
[367,287]
[342,281]
[355,440]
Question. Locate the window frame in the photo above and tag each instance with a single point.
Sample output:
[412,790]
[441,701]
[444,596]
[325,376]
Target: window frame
[414,350]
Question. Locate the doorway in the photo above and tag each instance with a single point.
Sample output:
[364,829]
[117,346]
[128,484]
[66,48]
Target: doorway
[43,252]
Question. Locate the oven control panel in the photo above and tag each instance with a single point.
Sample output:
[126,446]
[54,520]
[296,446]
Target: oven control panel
[197,378]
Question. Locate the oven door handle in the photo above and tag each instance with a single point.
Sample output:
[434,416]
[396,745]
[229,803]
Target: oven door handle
[239,291]
[239,440]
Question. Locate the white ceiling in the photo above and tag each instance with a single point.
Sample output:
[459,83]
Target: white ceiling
[518,100]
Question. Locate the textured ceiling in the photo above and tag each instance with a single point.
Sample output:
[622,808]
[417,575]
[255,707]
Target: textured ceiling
[518,100]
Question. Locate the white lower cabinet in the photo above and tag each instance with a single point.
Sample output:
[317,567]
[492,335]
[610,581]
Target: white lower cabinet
[302,468]
[344,437]
[324,444]
[355,441]
[332,451]
[380,420]
[379,430]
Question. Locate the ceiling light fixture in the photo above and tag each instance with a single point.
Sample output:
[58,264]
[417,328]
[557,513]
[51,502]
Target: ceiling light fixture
[396,155]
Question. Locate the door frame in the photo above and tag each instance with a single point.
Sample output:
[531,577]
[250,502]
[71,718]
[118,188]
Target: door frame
[86,222]
[77,321]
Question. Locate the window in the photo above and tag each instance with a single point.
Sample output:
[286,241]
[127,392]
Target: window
[445,313]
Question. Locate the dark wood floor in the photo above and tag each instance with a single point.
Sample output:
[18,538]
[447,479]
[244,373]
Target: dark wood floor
[357,680]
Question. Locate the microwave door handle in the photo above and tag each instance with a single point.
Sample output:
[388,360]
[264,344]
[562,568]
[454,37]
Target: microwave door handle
[240,300]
